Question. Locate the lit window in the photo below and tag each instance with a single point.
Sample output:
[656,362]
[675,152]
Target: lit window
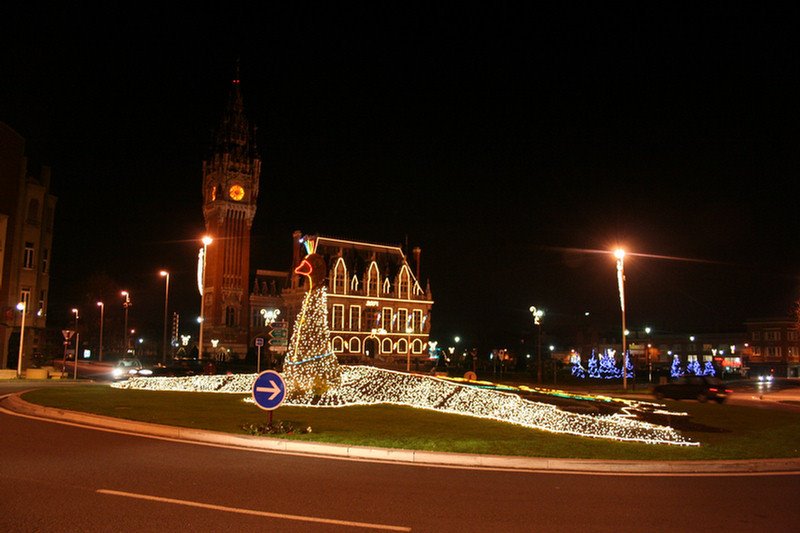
[27,260]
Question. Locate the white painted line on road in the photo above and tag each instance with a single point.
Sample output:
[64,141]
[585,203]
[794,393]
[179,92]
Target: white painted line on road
[252,512]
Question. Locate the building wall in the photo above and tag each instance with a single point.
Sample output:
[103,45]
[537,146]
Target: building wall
[382,320]
[774,347]
[27,208]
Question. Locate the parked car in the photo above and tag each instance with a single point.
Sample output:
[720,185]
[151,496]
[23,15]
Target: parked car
[700,388]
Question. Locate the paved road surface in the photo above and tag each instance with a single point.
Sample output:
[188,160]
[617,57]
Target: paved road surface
[56,477]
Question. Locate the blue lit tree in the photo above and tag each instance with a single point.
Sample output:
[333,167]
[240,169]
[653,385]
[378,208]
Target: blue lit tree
[608,366]
[676,371]
[594,371]
[708,369]
[629,373]
[577,368]
[693,367]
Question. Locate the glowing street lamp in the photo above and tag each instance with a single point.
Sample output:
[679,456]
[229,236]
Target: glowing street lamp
[409,331]
[537,320]
[77,343]
[165,274]
[647,330]
[619,253]
[102,307]
[126,304]
[21,306]
[202,281]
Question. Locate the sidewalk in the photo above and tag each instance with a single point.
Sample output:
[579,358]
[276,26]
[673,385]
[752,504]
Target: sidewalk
[423,458]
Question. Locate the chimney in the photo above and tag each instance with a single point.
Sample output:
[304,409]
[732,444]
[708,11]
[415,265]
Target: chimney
[416,251]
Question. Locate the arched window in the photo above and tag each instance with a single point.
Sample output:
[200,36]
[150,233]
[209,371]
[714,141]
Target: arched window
[338,345]
[402,346]
[340,277]
[417,346]
[355,345]
[386,346]
[417,289]
[354,284]
[387,288]
[373,279]
[403,283]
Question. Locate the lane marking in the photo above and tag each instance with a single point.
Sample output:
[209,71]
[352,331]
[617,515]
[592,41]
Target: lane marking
[405,463]
[253,512]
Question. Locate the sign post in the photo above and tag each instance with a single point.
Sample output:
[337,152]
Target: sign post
[67,333]
[259,344]
[269,391]
[278,338]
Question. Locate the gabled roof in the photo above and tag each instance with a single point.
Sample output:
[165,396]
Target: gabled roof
[358,256]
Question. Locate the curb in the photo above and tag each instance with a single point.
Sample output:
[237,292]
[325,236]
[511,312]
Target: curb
[14,403]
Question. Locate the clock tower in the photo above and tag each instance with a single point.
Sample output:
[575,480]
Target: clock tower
[230,190]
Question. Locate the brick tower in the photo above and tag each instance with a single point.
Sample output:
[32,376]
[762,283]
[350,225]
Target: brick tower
[230,190]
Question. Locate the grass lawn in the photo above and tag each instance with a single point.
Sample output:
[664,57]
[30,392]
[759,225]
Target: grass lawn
[724,431]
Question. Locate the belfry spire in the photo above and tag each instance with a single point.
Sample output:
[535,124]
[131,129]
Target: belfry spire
[235,136]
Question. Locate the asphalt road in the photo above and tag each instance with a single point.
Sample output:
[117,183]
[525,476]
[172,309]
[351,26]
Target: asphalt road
[56,477]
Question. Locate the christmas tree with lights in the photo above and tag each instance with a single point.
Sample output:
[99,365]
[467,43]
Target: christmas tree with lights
[676,371]
[629,371]
[594,371]
[693,367]
[310,367]
[608,366]
[577,368]
[708,369]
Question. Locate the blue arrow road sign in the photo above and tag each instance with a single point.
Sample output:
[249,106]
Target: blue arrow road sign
[269,390]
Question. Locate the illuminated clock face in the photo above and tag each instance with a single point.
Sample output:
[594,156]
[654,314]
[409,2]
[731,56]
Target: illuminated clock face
[236,192]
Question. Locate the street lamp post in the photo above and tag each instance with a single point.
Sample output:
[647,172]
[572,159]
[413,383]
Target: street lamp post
[206,241]
[77,344]
[126,304]
[102,307]
[537,320]
[165,274]
[22,307]
[620,255]
[409,331]
[647,330]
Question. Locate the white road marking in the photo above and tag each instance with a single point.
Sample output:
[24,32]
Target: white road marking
[253,512]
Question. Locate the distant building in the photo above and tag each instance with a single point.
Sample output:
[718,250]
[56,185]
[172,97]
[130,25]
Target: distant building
[26,237]
[774,347]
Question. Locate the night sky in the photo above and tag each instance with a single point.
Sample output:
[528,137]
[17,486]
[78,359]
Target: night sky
[509,144]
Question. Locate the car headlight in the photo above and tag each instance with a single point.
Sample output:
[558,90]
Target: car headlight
[117,372]
[145,372]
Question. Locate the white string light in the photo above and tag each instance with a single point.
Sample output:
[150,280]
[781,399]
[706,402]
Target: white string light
[364,385]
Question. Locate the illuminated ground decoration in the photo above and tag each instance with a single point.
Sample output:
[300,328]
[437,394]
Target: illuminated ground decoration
[364,385]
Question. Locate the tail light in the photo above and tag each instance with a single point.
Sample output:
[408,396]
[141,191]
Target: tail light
[712,390]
